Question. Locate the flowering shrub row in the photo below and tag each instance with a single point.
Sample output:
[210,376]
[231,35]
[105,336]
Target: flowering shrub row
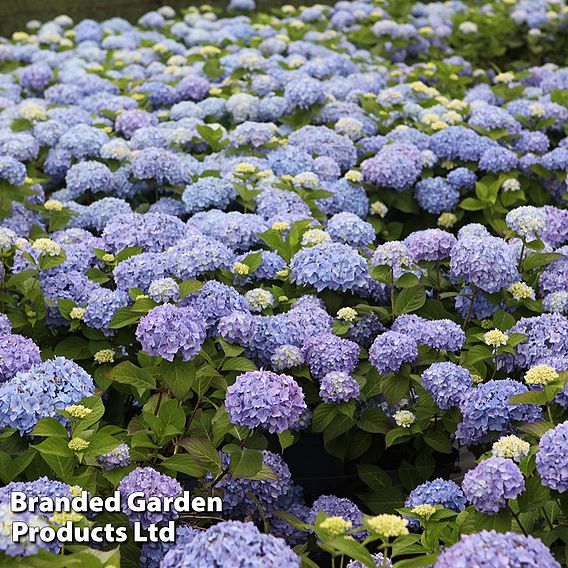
[314,262]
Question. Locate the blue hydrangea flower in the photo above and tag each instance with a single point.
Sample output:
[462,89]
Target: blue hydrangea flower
[528,222]
[152,553]
[350,229]
[437,492]
[435,195]
[264,399]
[101,307]
[429,245]
[119,457]
[286,357]
[39,392]
[338,507]
[163,290]
[11,170]
[334,266]
[487,409]
[208,193]
[446,382]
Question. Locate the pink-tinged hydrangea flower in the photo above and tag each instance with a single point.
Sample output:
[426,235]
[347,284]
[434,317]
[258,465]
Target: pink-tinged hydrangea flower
[446,382]
[551,461]
[488,263]
[232,543]
[502,550]
[265,399]
[167,331]
[391,350]
[325,352]
[153,484]
[492,483]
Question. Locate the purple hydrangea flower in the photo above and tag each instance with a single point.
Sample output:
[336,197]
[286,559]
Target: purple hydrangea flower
[435,195]
[168,330]
[268,492]
[153,484]
[551,458]
[326,352]
[338,507]
[152,553]
[491,483]
[391,350]
[395,165]
[490,548]
[265,399]
[17,353]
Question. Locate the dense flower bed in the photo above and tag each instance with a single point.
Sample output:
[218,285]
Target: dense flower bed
[314,262]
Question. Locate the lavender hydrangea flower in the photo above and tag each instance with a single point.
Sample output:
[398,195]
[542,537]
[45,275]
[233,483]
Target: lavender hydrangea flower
[490,548]
[395,165]
[488,263]
[446,382]
[168,330]
[265,399]
[286,357]
[391,350]
[163,290]
[238,328]
[17,353]
[326,352]
[232,543]
[11,170]
[492,483]
[208,193]
[153,484]
[551,458]
[429,245]
[338,387]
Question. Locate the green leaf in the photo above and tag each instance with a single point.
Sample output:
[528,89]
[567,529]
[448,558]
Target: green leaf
[397,436]
[129,374]
[407,280]
[395,388]
[178,376]
[410,300]
[538,260]
[50,427]
[244,463]
[537,429]
[476,521]
[124,317]
[55,447]
[374,420]
[439,441]
[239,364]
[76,348]
[184,463]
[203,451]
[503,320]
[323,415]
[373,476]
[530,397]
[472,204]
[187,287]
[286,439]
[128,252]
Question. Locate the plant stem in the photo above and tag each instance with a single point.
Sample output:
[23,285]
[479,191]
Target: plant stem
[468,315]
[392,294]
[516,517]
